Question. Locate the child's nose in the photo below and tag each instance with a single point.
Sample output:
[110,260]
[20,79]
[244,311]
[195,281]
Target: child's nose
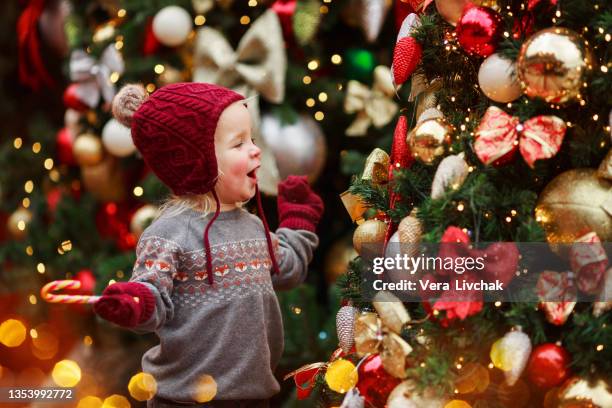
[255,151]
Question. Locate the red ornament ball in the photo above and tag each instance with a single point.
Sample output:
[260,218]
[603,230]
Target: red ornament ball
[374,383]
[64,141]
[72,99]
[548,365]
[150,43]
[479,31]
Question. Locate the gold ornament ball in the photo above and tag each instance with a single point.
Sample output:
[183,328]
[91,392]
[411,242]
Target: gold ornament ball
[370,233]
[104,180]
[18,222]
[472,377]
[88,150]
[429,139]
[142,219]
[574,203]
[552,65]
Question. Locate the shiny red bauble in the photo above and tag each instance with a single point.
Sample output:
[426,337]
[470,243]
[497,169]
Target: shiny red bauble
[374,383]
[548,365]
[479,31]
[64,140]
[72,99]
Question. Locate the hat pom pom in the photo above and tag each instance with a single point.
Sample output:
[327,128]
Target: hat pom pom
[127,102]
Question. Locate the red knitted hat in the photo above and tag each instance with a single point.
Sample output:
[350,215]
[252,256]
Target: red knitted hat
[174,131]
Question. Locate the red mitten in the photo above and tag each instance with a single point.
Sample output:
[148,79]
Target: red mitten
[298,206]
[118,305]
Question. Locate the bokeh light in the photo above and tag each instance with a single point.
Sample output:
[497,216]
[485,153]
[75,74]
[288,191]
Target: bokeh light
[142,386]
[66,373]
[205,389]
[12,333]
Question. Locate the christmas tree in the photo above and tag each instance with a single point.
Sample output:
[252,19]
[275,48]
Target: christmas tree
[504,140]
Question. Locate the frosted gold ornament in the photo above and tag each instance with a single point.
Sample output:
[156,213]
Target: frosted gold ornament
[337,259]
[17,223]
[370,233]
[429,140]
[573,203]
[553,64]
[450,175]
[578,392]
[511,354]
[88,150]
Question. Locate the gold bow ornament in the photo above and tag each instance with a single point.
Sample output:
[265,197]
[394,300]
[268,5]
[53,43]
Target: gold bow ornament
[258,65]
[373,106]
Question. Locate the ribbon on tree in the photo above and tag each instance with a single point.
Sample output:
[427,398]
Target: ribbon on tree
[557,294]
[498,132]
[373,106]
[304,377]
[500,263]
[588,260]
[93,77]
[258,65]
[32,71]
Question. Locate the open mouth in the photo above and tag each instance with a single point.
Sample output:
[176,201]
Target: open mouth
[253,174]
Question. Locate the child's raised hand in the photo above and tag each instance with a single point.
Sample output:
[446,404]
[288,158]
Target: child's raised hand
[298,206]
[126,303]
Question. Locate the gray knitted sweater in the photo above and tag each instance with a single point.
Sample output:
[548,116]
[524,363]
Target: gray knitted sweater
[232,330]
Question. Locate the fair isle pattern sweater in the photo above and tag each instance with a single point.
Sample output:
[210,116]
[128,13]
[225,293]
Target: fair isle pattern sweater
[231,330]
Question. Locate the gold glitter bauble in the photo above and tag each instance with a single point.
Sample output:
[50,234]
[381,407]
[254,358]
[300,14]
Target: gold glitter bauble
[575,203]
[552,65]
[88,150]
[429,139]
[18,222]
[370,233]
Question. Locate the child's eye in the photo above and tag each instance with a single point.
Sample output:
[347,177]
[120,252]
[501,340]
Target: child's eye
[238,145]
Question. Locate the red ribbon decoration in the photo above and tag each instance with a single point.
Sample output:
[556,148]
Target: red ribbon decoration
[498,132]
[32,72]
[304,377]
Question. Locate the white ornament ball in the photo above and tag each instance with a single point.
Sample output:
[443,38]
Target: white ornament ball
[172,25]
[142,218]
[498,80]
[298,148]
[117,139]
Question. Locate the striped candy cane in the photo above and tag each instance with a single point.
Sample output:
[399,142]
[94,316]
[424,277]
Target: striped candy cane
[46,293]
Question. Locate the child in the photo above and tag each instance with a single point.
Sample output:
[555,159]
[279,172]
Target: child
[219,318]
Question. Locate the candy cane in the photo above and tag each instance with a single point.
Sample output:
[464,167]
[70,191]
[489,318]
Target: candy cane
[47,292]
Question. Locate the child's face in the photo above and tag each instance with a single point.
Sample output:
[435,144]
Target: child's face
[237,157]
